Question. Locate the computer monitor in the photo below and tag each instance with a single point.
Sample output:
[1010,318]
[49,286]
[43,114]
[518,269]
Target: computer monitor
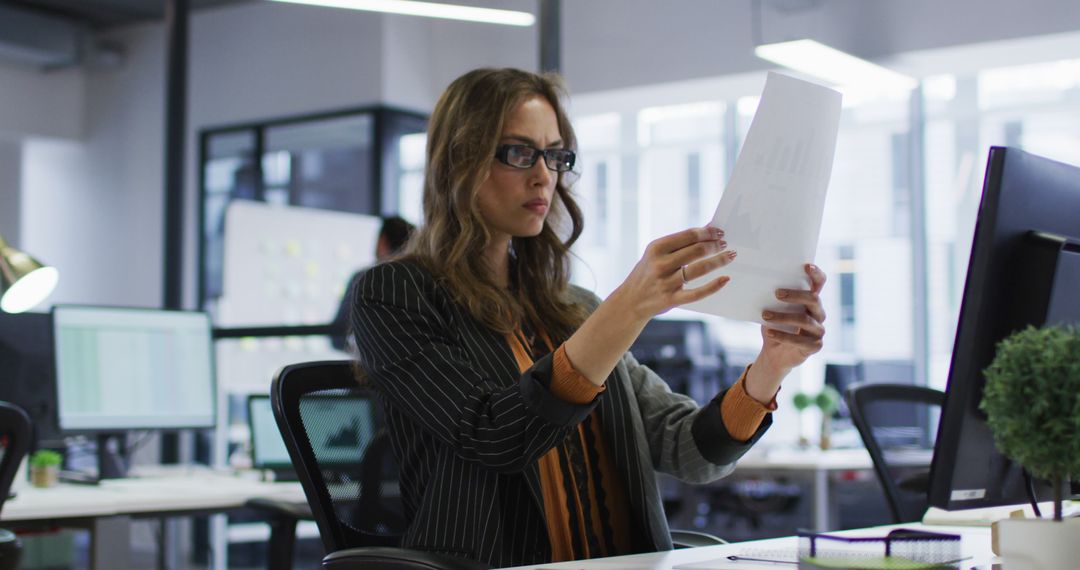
[28,373]
[120,369]
[336,429]
[1024,270]
[267,447]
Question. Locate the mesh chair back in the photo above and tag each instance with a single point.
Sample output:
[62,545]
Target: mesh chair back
[15,430]
[898,422]
[337,441]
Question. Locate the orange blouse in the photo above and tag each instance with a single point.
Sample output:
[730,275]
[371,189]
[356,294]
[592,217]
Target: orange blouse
[565,512]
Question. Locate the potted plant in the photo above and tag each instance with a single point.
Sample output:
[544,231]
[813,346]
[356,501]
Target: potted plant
[828,400]
[802,401]
[1031,400]
[45,468]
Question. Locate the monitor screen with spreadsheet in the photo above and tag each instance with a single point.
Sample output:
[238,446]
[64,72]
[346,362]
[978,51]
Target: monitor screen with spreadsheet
[127,369]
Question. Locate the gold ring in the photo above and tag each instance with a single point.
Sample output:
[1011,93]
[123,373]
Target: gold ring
[683,271]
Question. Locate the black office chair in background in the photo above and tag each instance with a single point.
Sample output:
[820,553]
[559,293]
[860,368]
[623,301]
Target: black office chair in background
[15,433]
[334,432]
[893,419]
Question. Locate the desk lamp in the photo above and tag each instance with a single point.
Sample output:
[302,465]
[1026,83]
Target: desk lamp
[24,281]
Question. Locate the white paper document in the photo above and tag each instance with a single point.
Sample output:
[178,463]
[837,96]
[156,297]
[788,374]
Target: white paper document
[771,210]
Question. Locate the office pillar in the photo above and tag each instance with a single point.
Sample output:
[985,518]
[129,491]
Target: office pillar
[176,31]
[11,191]
[919,250]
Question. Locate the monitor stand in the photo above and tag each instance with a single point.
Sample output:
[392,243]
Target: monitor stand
[112,455]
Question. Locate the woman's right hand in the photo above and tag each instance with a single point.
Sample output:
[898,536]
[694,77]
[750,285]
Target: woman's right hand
[657,282]
[654,286]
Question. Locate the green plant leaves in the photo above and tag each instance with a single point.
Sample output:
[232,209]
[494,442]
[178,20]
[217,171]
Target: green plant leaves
[1032,400]
[828,400]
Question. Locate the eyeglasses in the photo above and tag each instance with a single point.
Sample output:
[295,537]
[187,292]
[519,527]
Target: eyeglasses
[525,156]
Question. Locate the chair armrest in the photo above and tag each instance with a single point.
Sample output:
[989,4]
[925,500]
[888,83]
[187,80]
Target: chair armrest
[693,538]
[389,558]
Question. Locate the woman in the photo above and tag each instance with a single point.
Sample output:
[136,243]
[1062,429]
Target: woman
[524,430]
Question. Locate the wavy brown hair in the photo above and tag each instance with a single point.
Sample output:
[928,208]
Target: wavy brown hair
[463,134]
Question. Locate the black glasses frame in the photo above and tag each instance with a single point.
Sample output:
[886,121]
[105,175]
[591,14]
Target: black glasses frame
[557,159]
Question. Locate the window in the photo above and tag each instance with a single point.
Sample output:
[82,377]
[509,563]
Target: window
[1035,107]
[367,161]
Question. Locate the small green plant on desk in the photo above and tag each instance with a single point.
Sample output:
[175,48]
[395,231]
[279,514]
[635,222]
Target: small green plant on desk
[828,400]
[1032,403]
[802,401]
[45,468]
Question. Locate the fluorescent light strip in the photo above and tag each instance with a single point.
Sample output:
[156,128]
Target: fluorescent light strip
[832,65]
[429,10]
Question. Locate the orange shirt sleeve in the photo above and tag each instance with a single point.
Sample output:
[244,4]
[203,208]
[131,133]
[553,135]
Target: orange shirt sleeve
[568,384]
[741,413]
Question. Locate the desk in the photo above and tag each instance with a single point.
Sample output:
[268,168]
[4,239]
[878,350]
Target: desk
[975,543]
[819,464]
[106,510]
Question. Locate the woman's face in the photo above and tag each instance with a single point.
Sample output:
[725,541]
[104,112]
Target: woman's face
[514,202]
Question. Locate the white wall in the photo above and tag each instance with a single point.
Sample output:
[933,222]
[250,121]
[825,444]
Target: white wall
[10,191]
[40,103]
[93,205]
[70,236]
[33,103]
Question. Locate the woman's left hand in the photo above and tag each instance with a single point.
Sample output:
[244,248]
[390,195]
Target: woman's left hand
[785,350]
[781,351]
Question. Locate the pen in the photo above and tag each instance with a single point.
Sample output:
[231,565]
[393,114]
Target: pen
[737,558]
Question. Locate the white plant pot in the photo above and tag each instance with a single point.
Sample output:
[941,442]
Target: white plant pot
[1039,544]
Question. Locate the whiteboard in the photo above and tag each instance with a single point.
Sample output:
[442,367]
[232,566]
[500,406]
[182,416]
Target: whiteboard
[285,265]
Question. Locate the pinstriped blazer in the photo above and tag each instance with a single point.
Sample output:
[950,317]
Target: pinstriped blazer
[468,428]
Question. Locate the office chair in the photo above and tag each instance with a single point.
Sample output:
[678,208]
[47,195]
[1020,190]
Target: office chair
[15,430]
[353,501]
[892,418]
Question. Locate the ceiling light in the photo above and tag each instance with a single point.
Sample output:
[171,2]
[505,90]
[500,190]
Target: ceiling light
[429,10]
[829,64]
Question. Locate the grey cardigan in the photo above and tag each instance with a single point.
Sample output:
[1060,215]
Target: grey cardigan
[468,428]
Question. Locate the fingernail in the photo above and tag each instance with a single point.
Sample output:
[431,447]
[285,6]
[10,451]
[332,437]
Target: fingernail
[723,243]
[811,267]
[719,232]
[767,315]
[731,254]
[781,293]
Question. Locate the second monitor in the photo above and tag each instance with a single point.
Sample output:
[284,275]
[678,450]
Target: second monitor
[120,369]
